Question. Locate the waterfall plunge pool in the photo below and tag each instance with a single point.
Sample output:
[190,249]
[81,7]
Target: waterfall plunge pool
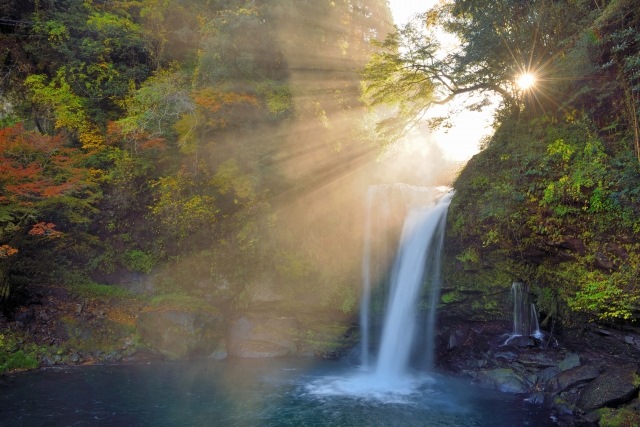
[252,392]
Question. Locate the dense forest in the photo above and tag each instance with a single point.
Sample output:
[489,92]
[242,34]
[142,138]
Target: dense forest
[141,134]
[207,147]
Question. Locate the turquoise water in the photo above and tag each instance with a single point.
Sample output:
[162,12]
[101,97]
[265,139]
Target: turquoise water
[276,392]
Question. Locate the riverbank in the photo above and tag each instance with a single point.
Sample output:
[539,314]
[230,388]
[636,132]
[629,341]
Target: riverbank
[587,376]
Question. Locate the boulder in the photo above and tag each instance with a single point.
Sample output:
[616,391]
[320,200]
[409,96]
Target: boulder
[262,336]
[572,377]
[537,358]
[571,361]
[181,334]
[502,379]
[615,386]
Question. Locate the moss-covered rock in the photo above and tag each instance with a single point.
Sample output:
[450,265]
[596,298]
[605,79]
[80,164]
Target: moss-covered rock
[182,334]
[554,205]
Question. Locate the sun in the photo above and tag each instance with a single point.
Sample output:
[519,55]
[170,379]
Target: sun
[526,81]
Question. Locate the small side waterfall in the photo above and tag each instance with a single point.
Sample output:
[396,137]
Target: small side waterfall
[535,325]
[525,317]
[417,262]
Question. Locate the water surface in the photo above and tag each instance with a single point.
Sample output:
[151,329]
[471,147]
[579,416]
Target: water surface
[275,392]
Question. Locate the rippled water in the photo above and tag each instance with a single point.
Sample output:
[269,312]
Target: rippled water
[280,392]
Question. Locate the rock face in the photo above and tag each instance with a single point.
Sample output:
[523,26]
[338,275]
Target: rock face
[181,335]
[502,379]
[572,377]
[615,386]
[262,336]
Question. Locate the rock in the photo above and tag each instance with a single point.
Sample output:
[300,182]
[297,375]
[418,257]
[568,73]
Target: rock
[74,358]
[180,334]
[571,361]
[538,359]
[508,356]
[521,341]
[261,336]
[572,377]
[615,386]
[219,354]
[536,398]
[503,379]
[603,262]
[264,291]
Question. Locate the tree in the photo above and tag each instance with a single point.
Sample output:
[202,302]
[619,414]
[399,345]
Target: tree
[496,42]
[38,173]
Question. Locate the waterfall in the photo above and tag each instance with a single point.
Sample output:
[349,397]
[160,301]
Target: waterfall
[525,317]
[518,293]
[535,325]
[417,261]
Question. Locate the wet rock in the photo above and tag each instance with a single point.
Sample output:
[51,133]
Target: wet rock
[219,354]
[572,377]
[501,379]
[521,341]
[74,358]
[261,336]
[536,398]
[537,359]
[571,361]
[179,334]
[615,386]
[633,340]
[508,356]
[129,351]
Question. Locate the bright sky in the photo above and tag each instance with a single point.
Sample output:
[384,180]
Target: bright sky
[461,141]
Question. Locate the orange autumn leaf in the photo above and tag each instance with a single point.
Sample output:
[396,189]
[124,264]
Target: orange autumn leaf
[46,230]
[7,251]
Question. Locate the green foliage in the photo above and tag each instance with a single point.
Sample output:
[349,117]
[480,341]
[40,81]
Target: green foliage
[137,260]
[182,302]
[15,355]
[86,288]
[567,231]
[179,209]
[182,163]
[469,257]
[278,99]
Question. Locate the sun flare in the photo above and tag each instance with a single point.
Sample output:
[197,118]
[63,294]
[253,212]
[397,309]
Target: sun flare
[526,81]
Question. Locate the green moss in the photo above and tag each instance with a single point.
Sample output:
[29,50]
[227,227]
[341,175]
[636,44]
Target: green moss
[17,353]
[560,214]
[450,297]
[182,302]
[101,334]
[626,416]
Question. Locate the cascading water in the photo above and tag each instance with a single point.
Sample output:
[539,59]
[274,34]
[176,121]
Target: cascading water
[386,209]
[417,261]
[535,325]
[420,230]
[398,313]
[396,334]
[525,317]
[518,292]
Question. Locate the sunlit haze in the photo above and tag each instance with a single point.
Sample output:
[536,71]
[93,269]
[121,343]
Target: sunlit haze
[461,141]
